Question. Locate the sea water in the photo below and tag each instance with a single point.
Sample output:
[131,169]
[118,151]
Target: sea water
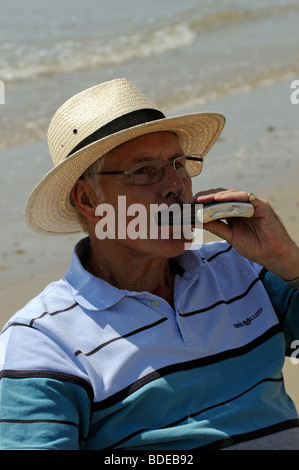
[180,53]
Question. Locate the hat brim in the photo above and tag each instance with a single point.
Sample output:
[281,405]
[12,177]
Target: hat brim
[48,209]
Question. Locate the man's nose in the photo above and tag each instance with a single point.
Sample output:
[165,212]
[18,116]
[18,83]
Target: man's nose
[172,184]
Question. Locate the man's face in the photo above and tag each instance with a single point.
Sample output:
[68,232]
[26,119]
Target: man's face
[163,146]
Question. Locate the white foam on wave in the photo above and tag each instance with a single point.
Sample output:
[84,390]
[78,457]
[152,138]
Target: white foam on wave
[32,61]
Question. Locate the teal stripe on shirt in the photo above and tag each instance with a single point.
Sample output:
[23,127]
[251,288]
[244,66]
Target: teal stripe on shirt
[216,402]
[285,300]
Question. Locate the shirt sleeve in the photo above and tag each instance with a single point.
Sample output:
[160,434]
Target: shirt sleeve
[42,413]
[285,300]
[45,399]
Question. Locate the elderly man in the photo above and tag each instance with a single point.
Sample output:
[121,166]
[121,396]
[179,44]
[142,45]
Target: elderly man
[144,344]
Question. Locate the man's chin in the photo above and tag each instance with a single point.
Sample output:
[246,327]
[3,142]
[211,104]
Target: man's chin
[172,247]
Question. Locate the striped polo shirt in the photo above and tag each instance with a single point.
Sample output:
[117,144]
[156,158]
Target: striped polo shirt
[88,366]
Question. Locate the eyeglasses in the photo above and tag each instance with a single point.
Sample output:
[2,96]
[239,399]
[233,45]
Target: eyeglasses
[145,173]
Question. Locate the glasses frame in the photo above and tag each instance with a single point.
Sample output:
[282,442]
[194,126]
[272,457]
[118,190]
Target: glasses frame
[192,157]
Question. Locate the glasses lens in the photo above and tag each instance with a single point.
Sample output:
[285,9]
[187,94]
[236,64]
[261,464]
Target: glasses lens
[147,173]
[193,165]
[180,166]
[152,171]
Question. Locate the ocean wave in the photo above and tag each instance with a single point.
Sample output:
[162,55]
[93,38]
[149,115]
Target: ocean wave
[32,61]
[210,55]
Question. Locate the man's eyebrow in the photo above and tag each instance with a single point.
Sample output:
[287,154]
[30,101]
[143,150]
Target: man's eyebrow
[141,159]
[176,155]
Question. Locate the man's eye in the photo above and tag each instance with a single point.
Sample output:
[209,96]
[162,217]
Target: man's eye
[179,163]
[143,170]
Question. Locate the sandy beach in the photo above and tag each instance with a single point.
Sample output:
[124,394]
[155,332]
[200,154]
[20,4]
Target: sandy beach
[256,152]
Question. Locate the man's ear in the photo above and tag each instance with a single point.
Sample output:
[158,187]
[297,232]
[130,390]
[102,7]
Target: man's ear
[85,198]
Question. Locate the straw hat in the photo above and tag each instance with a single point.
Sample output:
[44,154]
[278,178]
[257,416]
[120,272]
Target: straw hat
[89,125]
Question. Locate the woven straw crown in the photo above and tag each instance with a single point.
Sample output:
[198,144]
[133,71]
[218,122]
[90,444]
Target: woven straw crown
[89,125]
[90,110]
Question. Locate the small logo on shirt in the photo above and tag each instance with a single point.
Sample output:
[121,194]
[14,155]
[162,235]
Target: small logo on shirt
[249,320]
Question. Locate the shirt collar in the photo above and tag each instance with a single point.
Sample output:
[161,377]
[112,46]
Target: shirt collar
[191,261]
[89,291]
[96,294]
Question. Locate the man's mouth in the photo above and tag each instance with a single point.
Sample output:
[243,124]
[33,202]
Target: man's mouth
[177,214]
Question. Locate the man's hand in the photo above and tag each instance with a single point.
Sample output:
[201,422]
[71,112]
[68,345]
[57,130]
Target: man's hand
[261,238]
